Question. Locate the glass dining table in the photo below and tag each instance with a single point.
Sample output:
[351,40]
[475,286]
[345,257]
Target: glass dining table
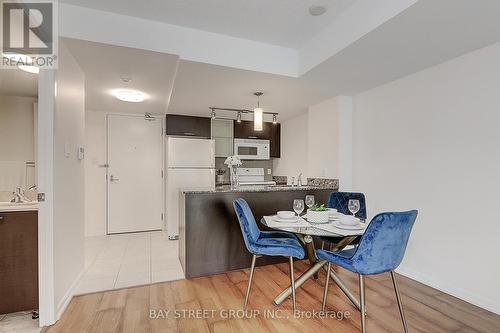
[305,234]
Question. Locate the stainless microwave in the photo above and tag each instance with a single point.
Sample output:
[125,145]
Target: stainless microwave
[252,149]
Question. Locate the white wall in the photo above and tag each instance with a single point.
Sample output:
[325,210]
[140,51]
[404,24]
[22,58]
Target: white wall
[294,136]
[95,176]
[318,143]
[430,141]
[69,125]
[322,146]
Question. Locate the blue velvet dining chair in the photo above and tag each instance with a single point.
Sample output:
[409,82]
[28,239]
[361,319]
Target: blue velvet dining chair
[270,243]
[380,250]
[340,201]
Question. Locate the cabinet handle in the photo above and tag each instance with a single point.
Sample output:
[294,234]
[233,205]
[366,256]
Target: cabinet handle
[189,133]
[252,137]
[1,218]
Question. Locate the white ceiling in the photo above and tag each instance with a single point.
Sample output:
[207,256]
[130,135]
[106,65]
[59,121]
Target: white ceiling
[279,22]
[427,33]
[199,86]
[104,65]
[394,50]
[15,82]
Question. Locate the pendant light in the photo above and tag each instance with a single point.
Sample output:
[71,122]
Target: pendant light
[258,114]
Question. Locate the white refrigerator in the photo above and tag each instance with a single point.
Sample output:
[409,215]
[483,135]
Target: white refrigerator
[190,164]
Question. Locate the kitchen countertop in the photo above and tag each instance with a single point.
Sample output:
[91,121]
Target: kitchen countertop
[18,207]
[256,188]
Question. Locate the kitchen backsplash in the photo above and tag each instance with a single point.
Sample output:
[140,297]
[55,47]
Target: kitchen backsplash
[268,164]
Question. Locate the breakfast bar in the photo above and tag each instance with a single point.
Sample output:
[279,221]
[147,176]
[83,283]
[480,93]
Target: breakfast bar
[210,239]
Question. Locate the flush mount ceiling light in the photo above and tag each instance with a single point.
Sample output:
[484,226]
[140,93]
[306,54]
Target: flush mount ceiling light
[129,95]
[29,69]
[258,114]
[317,10]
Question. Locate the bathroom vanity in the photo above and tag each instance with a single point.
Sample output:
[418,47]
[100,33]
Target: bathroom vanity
[18,259]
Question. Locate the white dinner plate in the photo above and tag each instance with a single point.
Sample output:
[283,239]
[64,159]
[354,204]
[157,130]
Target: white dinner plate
[279,219]
[359,226]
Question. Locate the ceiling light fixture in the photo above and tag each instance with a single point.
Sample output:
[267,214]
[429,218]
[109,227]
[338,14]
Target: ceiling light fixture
[29,69]
[238,117]
[258,114]
[317,10]
[129,95]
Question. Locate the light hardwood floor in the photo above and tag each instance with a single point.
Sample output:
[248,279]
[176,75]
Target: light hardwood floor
[128,310]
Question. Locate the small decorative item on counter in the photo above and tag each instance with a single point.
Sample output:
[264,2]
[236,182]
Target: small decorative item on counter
[220,175]
[318,214]
[233,162]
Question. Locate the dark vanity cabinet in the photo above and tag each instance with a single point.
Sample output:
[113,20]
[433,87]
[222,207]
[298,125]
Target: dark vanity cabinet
[189,126]
[270,131]
[18,261]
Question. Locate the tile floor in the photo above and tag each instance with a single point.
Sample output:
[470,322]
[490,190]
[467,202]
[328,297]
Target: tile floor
[18,322]
[119,261]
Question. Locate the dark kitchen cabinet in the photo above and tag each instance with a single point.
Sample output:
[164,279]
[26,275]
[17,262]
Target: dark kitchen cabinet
[18,261]
[275,137]
[270,131]
[178,125]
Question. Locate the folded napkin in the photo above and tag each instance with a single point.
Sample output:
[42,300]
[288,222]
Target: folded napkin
[272,223]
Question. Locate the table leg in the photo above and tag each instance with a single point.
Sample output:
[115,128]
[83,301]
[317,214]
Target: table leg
[337,247]
[300,281]
[311,253]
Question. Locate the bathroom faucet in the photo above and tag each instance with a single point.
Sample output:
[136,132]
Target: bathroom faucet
[299,180]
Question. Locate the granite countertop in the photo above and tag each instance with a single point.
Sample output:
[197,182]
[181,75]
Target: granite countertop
[18,207]
[256,188]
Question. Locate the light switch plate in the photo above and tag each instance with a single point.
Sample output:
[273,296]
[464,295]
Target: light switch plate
[269,171]
[67,150]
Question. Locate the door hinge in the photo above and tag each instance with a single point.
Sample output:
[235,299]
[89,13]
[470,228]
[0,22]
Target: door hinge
[162,216]
[161,173]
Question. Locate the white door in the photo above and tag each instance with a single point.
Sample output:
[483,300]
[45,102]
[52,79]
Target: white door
[134,178]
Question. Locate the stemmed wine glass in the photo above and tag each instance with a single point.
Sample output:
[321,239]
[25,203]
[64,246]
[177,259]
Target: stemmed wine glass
[310,201]
[353,206]
[298,206]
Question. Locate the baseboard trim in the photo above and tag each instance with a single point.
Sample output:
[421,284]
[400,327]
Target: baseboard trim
[482,302]
[63,304]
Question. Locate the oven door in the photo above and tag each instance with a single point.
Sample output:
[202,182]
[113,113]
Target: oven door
[252,149]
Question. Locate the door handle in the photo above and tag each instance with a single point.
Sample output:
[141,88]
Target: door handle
[113,179]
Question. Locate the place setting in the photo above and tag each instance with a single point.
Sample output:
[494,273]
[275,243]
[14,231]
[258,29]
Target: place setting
[319,216]
[329,219]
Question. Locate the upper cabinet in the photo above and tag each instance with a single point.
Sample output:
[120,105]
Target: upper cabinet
[222,133]
[270,131]
[188,126]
